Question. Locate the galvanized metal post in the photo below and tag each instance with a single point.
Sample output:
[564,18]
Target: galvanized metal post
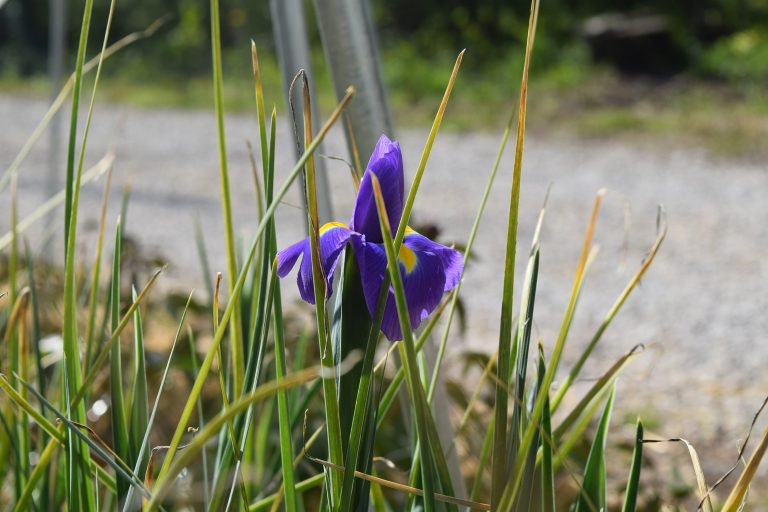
[293,52]
[351,50]
[56,46]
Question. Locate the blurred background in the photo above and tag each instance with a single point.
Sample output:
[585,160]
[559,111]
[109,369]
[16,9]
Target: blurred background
[661,102]
[695,69]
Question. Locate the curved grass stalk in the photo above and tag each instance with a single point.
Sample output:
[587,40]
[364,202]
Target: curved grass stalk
[304,485]
[474,505]
[701,481]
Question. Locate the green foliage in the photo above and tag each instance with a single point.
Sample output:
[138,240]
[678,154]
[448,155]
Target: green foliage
[740,57]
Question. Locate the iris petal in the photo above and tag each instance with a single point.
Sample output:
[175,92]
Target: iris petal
[387,163]
[333,238]
[436,269]
[453,263]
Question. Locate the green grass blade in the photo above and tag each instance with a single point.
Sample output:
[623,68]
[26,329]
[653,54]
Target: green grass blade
[575,435]
[356,386]
[36,415]
[482,462]
[592,494]
[70,178]
[286,447]
[202,255]
[96,272]
[80,497]
[408,350]
[633,484]
[242,427]
[141,454]
[394,386]
[530,473]
[264,227]
[547,469]
[124,202]
[72,196]
[41,377]
[500,442]
[330,397]
[139,396]
[236,328]
[264,298]
[15,343]
[120,435]
[587,257]
[41,469]
[408,206]
[520,350]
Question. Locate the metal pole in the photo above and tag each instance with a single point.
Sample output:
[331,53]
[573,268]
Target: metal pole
[351,50]
[290,29]
[56,46]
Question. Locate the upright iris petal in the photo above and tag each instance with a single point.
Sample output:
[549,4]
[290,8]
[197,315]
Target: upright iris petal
[387,163]
[428,269]
[333,237]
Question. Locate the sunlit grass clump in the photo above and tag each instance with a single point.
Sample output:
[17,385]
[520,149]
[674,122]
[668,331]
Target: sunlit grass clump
[268,416]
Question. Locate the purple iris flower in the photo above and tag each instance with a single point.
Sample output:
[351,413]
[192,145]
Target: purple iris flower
[428,269]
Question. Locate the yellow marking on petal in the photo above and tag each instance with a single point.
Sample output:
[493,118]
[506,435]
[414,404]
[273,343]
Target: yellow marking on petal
[330,225]
[408,257]
[410,231]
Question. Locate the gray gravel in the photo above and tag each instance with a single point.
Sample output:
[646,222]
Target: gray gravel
[701,309]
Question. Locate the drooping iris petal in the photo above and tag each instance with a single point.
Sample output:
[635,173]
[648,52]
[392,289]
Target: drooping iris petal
[333,237]
[427,268]
[453,263]
[387,163]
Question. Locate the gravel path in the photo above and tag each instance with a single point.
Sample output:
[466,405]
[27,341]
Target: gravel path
[701,309]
